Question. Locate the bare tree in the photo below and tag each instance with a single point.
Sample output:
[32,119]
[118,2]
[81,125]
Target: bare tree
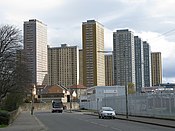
[12,72]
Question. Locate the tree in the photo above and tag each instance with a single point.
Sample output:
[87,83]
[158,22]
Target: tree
[131,89]
[13,71]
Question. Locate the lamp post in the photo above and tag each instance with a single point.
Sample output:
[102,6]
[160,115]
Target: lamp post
[72,94]
[126,94]
[33,93]
[97,103]
[126,84]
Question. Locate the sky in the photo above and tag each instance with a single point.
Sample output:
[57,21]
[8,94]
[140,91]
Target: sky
[152,20]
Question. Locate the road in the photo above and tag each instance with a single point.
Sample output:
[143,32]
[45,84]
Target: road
[79,122]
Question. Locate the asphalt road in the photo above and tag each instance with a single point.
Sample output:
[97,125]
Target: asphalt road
[79,122]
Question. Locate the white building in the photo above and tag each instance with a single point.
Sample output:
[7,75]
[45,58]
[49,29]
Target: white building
[95,95]
[35,46]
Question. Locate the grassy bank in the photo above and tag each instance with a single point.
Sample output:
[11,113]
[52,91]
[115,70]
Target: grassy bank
[2,126]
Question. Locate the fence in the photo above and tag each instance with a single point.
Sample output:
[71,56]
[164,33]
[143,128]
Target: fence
[153,105]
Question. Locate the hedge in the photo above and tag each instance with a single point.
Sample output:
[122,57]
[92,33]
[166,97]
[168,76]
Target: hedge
[4,117]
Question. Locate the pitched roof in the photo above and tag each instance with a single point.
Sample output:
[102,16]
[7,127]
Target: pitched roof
[48,87]
[80,86]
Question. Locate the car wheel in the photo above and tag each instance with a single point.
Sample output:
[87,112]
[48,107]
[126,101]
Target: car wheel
[99,117]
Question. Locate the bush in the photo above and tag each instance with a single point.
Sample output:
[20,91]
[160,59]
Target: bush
[4,117]
[12,101]
[4,120]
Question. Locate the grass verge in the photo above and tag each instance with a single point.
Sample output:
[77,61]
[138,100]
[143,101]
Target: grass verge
[2,126]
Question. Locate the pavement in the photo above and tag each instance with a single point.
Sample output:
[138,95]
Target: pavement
[27,122]
[149,120]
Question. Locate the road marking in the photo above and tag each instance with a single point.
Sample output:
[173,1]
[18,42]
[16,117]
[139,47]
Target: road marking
[93,123]
[103,125]
[99,124]
[116,129]
[106,126]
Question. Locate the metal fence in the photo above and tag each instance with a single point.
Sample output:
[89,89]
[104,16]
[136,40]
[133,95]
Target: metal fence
[153,105]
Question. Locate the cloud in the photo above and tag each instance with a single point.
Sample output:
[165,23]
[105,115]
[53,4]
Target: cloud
[148,18]
[168,80]
[168,67]
[17,11]
[64,35]
[30,4]
[161,44]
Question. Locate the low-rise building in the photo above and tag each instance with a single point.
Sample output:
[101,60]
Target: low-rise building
[95,95]
[49,93]
[162,88]
[78,89]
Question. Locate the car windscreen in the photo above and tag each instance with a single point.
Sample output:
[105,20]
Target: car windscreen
[107,109]
[56,105]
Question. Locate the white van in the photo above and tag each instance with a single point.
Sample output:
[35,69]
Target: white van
[57,106]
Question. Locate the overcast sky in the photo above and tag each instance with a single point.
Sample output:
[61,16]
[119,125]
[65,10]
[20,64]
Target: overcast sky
[152,20]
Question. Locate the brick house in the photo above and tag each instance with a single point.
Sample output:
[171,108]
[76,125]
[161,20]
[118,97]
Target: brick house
[47,93]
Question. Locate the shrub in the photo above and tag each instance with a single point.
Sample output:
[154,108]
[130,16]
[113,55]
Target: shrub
[4,117]
[12,101]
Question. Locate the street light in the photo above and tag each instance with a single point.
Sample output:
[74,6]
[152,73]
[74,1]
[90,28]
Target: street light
[71,94]
[33,93]
[97,103]
[126,89]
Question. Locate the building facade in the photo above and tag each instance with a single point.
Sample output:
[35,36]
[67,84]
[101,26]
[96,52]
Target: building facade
[124,57]
[147,64]
[35,47]
[93,60]
[139,63]
[99,96]
[81,67]
[63,65]
[109,81]
[156,68]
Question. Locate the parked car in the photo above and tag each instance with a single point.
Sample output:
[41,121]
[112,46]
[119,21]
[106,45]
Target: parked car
[107,112]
